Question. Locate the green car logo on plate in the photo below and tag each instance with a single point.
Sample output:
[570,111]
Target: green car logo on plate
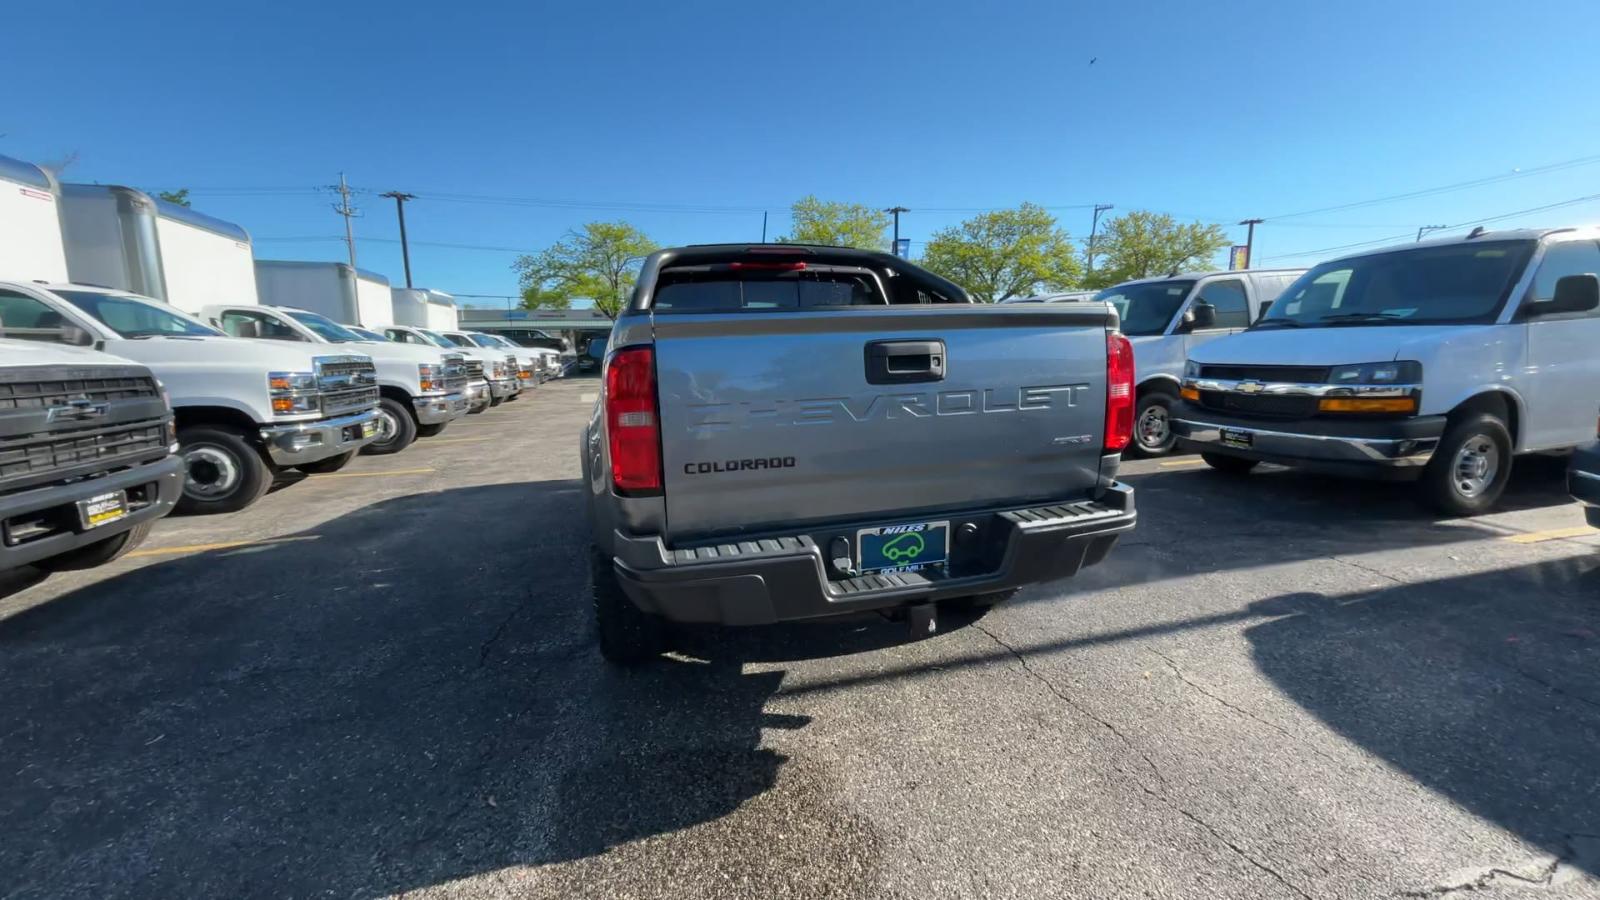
[904,548]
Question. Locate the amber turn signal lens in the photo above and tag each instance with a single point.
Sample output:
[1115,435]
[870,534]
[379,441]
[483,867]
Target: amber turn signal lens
[1189,393]
[283,404]
[1368,404]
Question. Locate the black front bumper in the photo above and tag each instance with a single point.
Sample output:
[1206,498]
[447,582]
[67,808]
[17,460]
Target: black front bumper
[785,578]
[157,484]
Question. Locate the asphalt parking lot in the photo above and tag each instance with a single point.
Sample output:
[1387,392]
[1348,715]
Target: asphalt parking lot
[383,682]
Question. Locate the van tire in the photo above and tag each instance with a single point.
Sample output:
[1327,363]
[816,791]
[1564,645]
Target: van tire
[1233,465]
[628,635]
[1157,405]
[430,430]
[1470,467]
[221,451]
[395,420]
[98,553]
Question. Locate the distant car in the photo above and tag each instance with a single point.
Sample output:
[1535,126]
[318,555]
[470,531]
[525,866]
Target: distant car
[1583,481]
[1064,297]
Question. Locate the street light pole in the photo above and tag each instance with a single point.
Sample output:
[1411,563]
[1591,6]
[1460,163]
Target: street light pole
[896,211]
[1094,226]
[400,208]
[1250,242]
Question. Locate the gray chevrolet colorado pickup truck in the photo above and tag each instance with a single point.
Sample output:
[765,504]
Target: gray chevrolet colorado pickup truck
[789,432]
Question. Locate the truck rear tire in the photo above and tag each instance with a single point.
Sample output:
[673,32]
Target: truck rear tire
[98,553]
[331,464]
[1152,426]
[628,635]
[1233,465]
[396,428]
[430,430]
[1470,468]
[225,471]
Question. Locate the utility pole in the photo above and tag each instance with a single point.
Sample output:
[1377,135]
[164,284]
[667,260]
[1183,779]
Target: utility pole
[896,211]
[400,208]
[1250,241]
[763,226]
[344,208]
[1427,228]
[1094,226]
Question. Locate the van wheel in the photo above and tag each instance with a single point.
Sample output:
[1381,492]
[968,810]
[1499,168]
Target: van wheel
[628,635]
[396,428]
[331,464]
[1470,468]
[430,430]
[1233,465]
[224,471]
[98,553]
[1152,426]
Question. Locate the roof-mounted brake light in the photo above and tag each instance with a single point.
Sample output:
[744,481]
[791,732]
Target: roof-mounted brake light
[767,266]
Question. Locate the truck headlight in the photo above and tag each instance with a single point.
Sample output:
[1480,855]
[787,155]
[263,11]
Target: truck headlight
[430,377]
[1191,369]
[292,393]
[1403,371]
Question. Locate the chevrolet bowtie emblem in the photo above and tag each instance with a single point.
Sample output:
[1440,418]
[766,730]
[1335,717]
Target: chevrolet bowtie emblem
[1251,387]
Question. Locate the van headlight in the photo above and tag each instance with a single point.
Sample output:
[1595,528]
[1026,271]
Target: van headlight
[292,393]
[1403,371]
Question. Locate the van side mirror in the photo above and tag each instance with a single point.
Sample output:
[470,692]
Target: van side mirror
[1200,315]
[1574,293]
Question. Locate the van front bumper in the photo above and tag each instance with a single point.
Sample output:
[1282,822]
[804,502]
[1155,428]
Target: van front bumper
[437,409]
[785,578]
[157,485]
[1393,448]
[299,443]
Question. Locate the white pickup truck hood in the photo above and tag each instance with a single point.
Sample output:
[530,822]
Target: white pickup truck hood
[39,353]
[1334,346]
[387,352]
[242,353]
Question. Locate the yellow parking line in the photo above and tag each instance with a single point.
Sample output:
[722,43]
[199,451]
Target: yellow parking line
[374,474]
[1536,537]
[224,545]
[429,442]
[1182,462]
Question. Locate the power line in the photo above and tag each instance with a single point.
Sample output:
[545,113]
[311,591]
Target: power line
[316,238]
[1442,189]
[1400,237]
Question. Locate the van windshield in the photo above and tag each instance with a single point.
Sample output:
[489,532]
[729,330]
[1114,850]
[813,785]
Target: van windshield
[131,317]
[1146,307]
[1454,284]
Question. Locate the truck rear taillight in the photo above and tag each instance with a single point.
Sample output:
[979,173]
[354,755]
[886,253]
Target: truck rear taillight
[1119,392]
[633,425]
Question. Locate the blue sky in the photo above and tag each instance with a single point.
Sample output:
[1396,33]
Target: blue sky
[687,119]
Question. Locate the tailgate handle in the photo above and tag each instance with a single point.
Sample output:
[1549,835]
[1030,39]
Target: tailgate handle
[905,362]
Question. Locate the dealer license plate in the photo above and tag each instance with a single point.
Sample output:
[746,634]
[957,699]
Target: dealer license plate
[902,548]
[103,509]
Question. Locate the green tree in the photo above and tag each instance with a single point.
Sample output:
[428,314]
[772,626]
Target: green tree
[837,225]
[1006,253]
[1141,244]
[179,196]
[599,261]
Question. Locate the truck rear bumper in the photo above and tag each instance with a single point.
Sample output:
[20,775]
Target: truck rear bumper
[1386,448]
[785,578]
[152,489]
[300,443]
[440,408]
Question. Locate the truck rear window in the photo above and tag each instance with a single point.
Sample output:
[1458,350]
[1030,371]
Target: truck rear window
[797,290]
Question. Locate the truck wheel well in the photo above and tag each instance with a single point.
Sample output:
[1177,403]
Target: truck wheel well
[1493,403]
[399,396]
[215,415]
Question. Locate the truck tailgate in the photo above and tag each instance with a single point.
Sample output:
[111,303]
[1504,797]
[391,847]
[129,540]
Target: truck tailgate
[883,414]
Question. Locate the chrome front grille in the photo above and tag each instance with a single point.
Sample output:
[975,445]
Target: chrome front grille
[346,384]
[455,374]
[474,368]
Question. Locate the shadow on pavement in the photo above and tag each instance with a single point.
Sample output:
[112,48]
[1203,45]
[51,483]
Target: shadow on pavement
[402,696]
[1485,689]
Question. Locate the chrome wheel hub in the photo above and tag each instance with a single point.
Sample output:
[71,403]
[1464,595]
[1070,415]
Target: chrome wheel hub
[1153,426]
[1475,466]
[212,472]
[387,427]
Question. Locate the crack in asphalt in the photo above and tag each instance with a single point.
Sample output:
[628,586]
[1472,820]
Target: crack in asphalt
[1239,709]
[1160,796]
[500,630]
[1366,568]
[1542,876]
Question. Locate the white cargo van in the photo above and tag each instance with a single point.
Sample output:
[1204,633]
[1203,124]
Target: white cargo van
[346,295]
[1166,318]
[1435,361]
[124,239]
[30,229]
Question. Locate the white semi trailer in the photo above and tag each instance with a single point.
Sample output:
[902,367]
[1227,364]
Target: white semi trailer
[346,295]
[424,308]
[126,240]
[30,224]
